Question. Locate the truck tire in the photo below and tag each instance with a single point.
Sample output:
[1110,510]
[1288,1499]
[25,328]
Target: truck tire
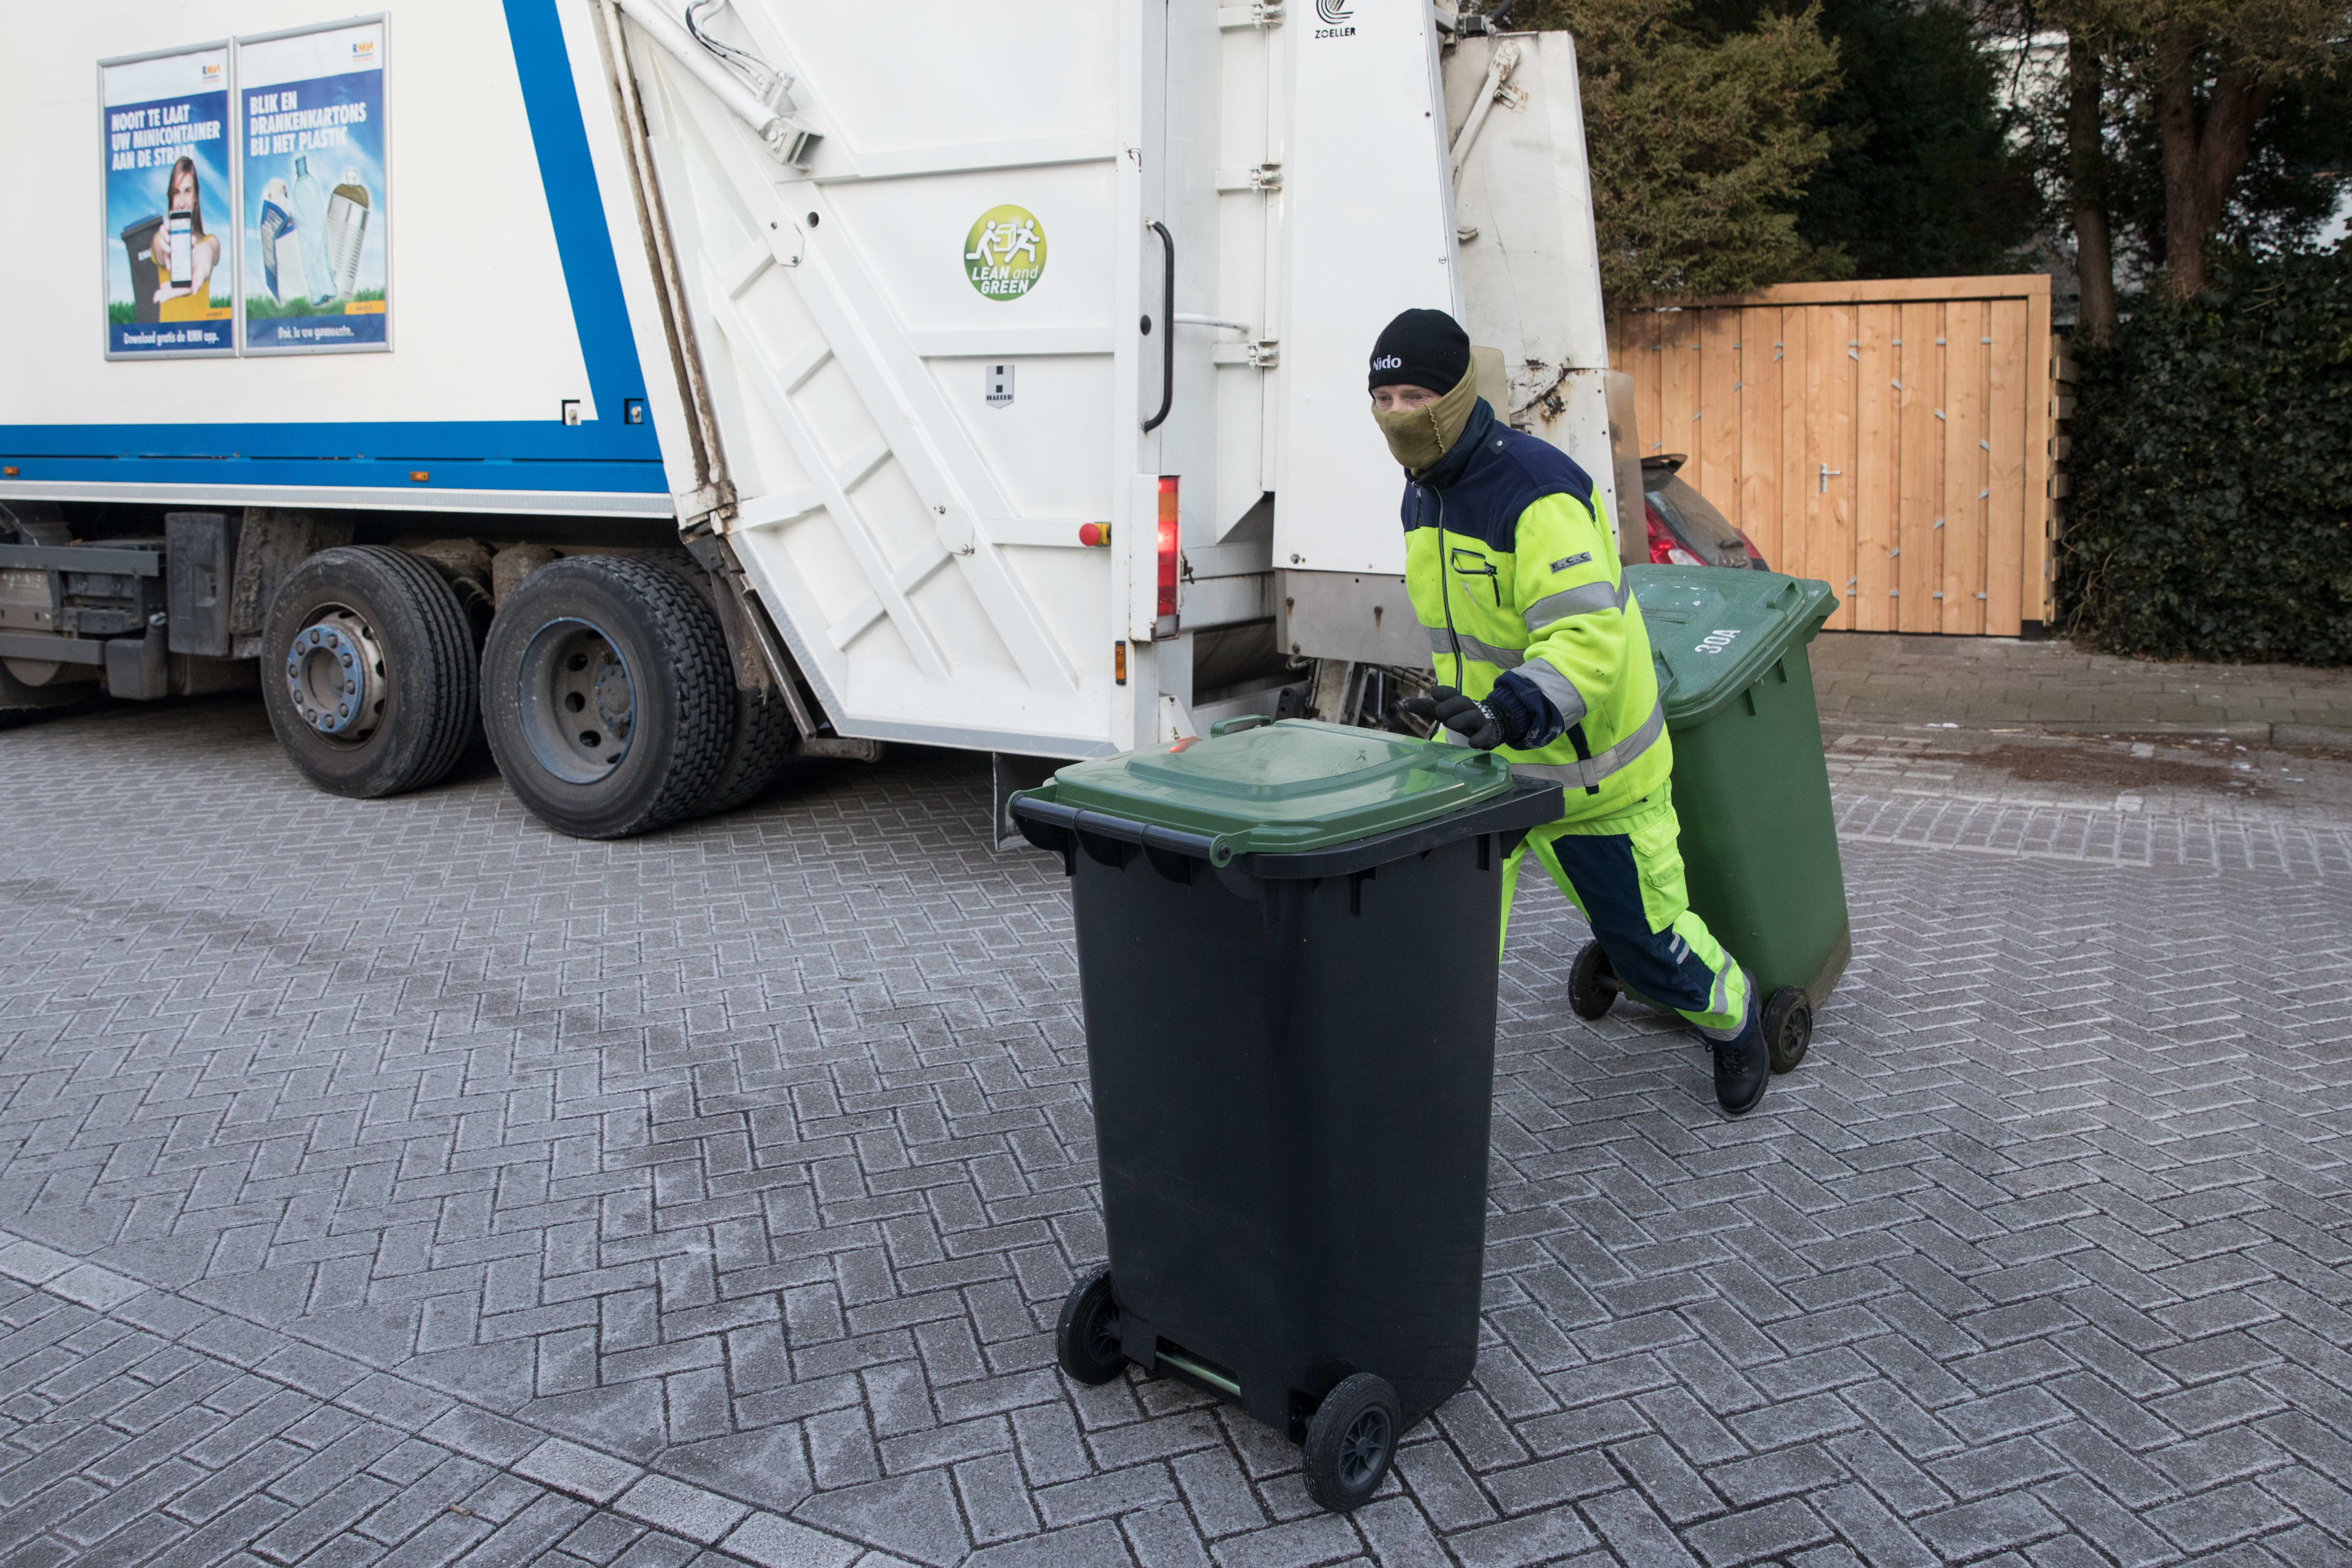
[607,697]
[372,691]
[20,701]
[761,743]
[763,737]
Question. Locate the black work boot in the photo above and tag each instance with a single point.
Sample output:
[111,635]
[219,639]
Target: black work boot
[1743,1065]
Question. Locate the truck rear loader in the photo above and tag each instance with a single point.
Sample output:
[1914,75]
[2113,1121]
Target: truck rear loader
[659,390]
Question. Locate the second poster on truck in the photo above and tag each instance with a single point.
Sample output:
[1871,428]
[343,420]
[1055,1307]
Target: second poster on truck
[314,191]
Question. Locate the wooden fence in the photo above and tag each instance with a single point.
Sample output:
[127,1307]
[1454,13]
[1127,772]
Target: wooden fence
[1892,438]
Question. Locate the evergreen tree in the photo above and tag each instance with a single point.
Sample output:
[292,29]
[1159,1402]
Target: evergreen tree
[1921,179]
[1700,139]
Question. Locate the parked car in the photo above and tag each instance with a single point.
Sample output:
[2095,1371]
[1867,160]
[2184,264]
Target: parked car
[1685,529]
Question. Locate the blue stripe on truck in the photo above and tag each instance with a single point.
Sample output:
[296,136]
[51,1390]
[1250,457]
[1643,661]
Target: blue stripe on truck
[550,100]
[606,455]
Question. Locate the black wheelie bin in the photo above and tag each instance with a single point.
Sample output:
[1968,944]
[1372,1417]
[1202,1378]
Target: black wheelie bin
[1751,787]
[1286,942]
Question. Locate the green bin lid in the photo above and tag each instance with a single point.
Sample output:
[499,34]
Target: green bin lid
[1284,787]
[1715,630]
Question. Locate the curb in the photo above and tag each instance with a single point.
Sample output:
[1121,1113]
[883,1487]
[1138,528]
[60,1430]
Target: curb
[2324,737]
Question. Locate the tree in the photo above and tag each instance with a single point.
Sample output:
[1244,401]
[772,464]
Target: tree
[2201,80]
[1921,180]
[1700,143]
[2086,169]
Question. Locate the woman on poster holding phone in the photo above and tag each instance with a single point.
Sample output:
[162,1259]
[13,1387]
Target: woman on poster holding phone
[187,254]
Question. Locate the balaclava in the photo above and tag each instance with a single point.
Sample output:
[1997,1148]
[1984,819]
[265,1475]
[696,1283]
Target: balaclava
[1424,348]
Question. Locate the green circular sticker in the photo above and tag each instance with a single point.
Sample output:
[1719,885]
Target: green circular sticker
[1004,254]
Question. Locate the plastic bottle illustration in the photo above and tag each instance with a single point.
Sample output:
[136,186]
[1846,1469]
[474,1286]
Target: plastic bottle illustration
[348,211]
[281,246]
[310,230]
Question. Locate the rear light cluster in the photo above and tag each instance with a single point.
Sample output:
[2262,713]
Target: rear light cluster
[1164,612]
[1663,551]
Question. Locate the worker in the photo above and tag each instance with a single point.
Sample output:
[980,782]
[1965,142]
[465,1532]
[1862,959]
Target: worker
[1540,654]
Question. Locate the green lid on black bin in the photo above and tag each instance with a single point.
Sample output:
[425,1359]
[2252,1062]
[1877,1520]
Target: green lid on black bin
[1715,631]
[1285,788]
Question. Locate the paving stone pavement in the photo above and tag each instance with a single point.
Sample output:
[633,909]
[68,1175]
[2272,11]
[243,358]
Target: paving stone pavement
[398,1182]
[1894,678]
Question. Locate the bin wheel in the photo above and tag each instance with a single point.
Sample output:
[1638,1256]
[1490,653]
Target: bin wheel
[1591,983]
[1086,1340]
[1350,1439]
[1788,1026]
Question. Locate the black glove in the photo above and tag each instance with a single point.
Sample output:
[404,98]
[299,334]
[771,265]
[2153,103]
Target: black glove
[1474,721]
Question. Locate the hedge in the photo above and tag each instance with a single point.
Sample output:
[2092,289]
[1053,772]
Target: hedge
[2210,464]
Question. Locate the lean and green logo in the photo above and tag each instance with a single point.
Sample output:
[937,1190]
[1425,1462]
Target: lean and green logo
[1004,254]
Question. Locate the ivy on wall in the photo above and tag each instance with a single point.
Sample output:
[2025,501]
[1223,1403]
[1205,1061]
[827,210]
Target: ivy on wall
[2211,470]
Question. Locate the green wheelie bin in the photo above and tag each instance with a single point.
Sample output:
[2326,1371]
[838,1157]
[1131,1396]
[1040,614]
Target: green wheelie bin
[1286,941]
[1751,787]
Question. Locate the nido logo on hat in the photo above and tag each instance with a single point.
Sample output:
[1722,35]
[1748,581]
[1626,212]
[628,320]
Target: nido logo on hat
[1388,362]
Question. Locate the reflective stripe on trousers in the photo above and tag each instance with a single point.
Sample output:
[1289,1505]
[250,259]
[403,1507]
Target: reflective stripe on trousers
[1625,873]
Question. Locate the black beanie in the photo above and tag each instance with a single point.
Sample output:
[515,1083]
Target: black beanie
[1420,348]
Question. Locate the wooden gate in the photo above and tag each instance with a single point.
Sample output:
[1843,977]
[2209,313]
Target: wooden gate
[1891,438]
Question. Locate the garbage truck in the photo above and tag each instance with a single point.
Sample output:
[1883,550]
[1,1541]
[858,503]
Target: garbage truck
[658,390]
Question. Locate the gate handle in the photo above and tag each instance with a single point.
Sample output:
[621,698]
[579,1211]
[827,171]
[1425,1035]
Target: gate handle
[1167,334]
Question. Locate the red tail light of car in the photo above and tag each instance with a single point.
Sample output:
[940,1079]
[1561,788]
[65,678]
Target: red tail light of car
[1663,551]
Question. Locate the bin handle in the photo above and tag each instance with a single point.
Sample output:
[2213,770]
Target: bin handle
[1236,725]
[1073,819]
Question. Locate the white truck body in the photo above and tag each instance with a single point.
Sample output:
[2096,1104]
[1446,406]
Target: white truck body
[897,332]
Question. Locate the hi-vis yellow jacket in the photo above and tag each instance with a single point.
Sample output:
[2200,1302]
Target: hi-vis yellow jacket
[1510,568]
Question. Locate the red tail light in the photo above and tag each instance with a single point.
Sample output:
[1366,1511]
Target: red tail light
[1663,551]
[1165,613]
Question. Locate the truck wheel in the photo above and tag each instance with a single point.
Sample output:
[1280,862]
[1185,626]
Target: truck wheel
[760,745]
[1350,1439]
[374,689]
[1086,1339]
[20,700]
[606,696]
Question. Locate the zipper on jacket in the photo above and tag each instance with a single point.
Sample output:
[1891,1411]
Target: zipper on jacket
[1445,599]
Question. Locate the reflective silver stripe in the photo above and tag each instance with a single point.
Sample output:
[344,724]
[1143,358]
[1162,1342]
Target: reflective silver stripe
[1720,1000]
[1441,641]
[1585,599]
[1592,769]
[1559,688]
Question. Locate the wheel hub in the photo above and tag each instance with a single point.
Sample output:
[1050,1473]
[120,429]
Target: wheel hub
[335,675]
[577,700]
[1363,1448]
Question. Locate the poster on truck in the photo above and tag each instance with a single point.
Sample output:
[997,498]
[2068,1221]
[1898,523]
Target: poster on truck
[315,218]
[171,286]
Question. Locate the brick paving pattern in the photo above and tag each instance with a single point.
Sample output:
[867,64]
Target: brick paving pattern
[1896,679]
[398,1182]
